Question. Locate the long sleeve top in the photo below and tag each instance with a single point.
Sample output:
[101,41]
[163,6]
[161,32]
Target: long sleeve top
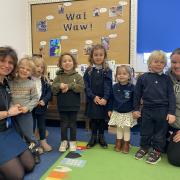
[176,85]
[45,95]
[24,92]
[156,91]
[100,86]
[121,99]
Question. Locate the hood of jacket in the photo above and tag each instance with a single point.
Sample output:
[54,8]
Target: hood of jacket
[61,72]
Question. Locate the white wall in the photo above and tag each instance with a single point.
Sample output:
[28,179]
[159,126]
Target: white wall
[140,66]
[13,28]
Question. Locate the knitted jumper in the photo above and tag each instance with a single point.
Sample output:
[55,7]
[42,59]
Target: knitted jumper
[24,93]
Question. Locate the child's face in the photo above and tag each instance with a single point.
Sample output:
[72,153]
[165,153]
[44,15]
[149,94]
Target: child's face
[39,68]
[98,56]
[122,76]
[67,63]
[24,71]
[157,65]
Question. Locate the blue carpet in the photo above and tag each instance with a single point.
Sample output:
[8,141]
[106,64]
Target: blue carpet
[54,139]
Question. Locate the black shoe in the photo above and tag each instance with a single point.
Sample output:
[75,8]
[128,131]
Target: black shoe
[37,158]
[102,141]
[92,142]
[34,149]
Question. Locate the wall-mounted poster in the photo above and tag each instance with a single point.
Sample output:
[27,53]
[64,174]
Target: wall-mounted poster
[41,26]
[104,22]
[54,47]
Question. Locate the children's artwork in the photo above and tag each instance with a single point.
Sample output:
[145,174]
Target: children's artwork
[74,52]
[41,26]
[82,68]
[61,8]
[111,25]
[88,47]
[96,12]
[112,11]
[55,47]
[105,42]
[119,10]
[73,162]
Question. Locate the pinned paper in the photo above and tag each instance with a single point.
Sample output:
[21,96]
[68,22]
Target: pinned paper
[41,26]
[50,17]
[64,37]
[103,10]
[112,36]
[67,4]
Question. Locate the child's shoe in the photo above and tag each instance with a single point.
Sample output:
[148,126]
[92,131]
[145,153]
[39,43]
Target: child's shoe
[72,146]
[64,146]
[140,154]
[153,157]
[118,145]
[92,142]
[46,147]
[126,147]
[102,141]
[40,150]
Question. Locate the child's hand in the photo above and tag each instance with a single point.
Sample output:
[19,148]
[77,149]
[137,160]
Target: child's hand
[136,114]
[176,138]
[66,88]
[97,100]
[103,102]
[62,86]
[41,103]
[109,113]
[23,109]
[171,118]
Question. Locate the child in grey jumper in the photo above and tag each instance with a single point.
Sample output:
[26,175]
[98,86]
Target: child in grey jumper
[24,93]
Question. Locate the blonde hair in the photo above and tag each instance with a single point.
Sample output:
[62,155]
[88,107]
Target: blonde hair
[157,55]
[39,60]
[127,69]
[28,61]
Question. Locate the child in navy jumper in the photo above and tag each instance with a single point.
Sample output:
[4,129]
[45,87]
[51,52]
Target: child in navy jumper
[44,95]
[120,107]
[98,85]
[156,90]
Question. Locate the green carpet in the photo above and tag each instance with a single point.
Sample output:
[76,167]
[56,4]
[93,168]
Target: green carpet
[106,164]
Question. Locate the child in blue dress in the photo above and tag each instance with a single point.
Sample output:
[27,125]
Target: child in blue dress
[120,107]
[98,85]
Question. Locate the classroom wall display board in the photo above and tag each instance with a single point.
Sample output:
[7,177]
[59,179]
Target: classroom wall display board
[75,26]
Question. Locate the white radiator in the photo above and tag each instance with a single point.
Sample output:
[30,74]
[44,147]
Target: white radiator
[52,71]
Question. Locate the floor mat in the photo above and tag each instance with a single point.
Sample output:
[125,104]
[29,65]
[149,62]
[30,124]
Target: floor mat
[106,164]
